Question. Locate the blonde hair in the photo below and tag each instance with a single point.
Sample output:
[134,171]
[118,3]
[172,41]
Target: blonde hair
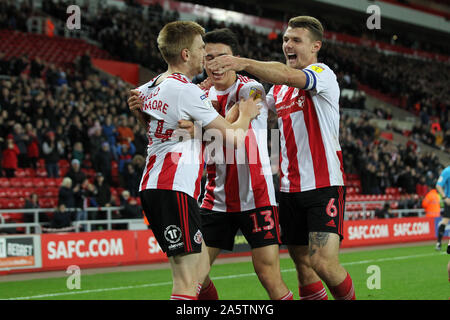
[313,25]
[176,36]
[67,182]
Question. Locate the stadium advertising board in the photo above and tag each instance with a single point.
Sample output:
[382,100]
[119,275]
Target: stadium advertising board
[19,252]
[385,231]
[148,249]
[88,248]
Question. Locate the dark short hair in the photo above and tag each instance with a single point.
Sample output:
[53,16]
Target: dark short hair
[224,36]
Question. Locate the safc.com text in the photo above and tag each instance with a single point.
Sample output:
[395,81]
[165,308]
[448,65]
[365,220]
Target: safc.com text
[81,249]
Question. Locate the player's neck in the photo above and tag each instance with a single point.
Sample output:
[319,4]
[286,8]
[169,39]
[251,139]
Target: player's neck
[309,62]
[180,69]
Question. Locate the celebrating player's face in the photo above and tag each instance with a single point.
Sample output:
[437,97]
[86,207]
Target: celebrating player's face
[197,55]
[219,78]
[298,47]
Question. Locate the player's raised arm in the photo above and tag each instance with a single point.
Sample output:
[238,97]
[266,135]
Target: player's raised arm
[248,110]
[268,71]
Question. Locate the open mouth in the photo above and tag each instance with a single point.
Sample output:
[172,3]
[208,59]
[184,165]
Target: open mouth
[218,75]
[292,57]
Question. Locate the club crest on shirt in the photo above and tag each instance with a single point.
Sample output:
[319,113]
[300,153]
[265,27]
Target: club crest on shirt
[256,93]
[198,237]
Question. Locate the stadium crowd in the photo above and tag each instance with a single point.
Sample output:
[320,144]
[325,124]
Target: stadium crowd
[130,36]
[384,164]
[393,75]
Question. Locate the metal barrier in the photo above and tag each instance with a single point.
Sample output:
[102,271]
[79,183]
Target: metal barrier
[109,221]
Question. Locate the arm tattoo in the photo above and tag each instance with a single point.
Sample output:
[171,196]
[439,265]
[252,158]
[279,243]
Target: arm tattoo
[317,240]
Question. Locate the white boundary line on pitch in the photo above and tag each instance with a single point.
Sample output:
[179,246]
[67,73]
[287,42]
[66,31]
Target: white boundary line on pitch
[160,284]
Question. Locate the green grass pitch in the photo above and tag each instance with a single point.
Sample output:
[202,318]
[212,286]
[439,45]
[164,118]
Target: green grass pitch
[407,273]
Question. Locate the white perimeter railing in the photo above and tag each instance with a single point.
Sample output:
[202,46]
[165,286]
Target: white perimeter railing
[109,221]
[138,224]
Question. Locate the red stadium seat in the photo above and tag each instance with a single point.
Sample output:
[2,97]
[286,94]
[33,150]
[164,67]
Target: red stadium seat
[12,192]
[4,183]
[30,172]
[63,164]
[20,173]
[41,172]
[39,182]
[17,182]
[28,182]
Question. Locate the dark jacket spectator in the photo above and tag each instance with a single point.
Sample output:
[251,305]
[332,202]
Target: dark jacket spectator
[61,218]
[131,209]
[51,155]
[65,194]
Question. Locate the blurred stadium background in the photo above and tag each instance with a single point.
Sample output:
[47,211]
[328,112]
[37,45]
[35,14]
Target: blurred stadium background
[63,98]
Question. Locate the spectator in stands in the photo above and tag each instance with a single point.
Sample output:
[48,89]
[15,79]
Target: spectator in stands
[131,179]
[124,133]
[131,208]
[406,180]
[61,218]
[421,187]
[138,163]
[76,131]
[102,162]
[385,212]
[82,193]
[36,68]
[102,197]
[32,202]
[10,157]
[32,147]
[78,152]
[51,155]
[109,130]
[125,153]
[432,204]
[65,194]
[21,140]
[76,174]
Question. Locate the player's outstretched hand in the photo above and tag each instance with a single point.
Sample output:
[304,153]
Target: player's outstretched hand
[225,63]
[185,128]
[250,107]
[134,101]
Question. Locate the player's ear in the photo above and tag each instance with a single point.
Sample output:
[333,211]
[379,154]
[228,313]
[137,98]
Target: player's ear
[185,54]
[316,46]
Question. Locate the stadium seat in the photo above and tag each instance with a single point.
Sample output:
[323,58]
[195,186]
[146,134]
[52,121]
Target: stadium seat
[16,182]
[20,173]
[39,182]
[4,183]
[41,172]
[12,192]
[28,182]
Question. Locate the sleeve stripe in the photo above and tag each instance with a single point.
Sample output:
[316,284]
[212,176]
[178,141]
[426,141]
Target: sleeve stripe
[306,87]
[313,86]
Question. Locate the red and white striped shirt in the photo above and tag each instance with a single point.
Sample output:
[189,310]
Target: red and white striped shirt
[308,119]
[170,164]
[246,183]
